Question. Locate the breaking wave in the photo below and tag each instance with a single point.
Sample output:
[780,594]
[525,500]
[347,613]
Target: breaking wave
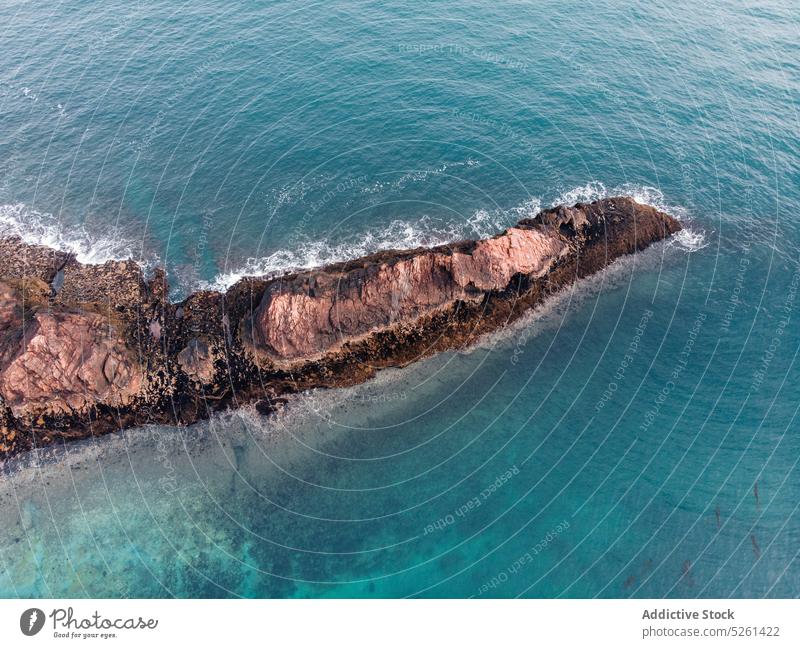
[41,228]
[688,239]
[398,235]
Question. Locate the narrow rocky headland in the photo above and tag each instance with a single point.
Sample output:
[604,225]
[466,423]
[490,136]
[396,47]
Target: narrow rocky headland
[89,349]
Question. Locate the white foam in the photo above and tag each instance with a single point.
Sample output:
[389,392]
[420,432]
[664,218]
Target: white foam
[689,240]
[398,235]
[428,233]
[586,193]
[45,229]
[643,194]
[39,228]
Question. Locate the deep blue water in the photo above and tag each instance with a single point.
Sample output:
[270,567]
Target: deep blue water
[637,436]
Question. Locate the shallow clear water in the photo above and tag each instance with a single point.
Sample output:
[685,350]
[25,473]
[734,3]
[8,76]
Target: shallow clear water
[635,437]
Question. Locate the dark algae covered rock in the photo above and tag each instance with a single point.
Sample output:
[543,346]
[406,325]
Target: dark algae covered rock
[88,349]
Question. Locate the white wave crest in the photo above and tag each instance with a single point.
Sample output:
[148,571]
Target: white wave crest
[427,233]
[689,239]
[45,229]
[40,228]
[643,194]
[398,235]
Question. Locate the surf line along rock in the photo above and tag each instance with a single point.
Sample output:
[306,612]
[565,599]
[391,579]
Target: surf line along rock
[88,349]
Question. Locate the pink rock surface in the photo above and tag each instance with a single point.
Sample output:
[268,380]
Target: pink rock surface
[494,261]
[70,351]
[62,362]
[315,312]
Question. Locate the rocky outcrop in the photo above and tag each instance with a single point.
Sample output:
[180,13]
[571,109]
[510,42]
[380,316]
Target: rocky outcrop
[312,313]
[196,361]
[86,349]
[32,261]
[66,363]
[115,285]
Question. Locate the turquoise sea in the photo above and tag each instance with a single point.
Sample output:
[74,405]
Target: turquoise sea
[635,437]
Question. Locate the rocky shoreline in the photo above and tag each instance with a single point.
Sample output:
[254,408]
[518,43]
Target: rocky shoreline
[89,349]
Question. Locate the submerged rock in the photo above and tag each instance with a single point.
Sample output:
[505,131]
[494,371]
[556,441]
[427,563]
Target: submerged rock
[86,349]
